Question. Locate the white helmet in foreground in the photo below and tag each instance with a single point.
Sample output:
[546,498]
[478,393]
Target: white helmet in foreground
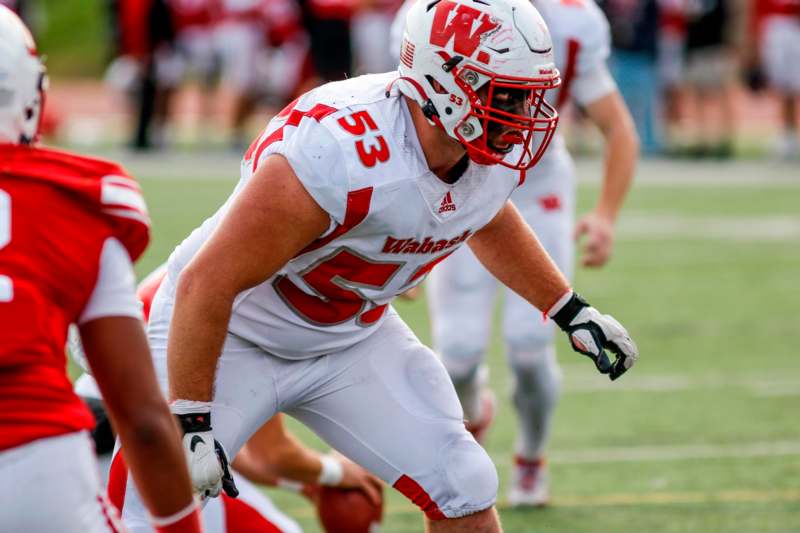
[22,81]
[480,69]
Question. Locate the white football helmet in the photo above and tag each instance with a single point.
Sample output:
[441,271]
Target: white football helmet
[23,81]
[479,69]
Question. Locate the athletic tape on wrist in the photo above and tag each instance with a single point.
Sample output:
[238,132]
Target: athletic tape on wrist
[182,407]
[332,471]
[556,307]
[164,521]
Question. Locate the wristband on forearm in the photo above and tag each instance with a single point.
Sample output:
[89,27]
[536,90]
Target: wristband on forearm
[187,520]
[566,309]
[332,471]
[193,416]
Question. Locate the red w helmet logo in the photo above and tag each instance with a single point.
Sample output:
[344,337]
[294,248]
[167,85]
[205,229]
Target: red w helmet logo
[458,22]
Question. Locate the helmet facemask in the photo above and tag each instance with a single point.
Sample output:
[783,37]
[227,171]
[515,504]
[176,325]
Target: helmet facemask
[504,113]
[480,71]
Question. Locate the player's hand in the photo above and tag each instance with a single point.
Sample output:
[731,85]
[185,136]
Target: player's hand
[592,334]
[206,458]
[599,233]
[356,477]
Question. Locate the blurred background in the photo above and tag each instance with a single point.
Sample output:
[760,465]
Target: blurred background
[704,435]
[181,74]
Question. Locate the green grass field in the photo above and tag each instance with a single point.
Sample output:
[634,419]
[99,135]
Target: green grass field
[704,434]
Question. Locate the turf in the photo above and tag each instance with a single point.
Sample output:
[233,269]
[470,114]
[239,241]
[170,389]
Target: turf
[703,434]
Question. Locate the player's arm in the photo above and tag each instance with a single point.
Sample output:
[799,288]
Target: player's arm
[274,454]
[269,222]
[141,417]
[508,248]
[116,349]
[610,114]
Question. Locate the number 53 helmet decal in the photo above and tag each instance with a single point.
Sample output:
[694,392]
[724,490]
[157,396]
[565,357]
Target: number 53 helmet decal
[480,70]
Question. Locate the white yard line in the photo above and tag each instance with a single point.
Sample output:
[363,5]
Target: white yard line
[737,174]
[758,386]
[637,454]
[620,499]
[639,225]
[667,498]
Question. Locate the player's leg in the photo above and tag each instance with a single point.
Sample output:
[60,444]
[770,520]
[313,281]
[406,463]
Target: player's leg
[244,399]
[461,295]
[388,404]
[790,105]
[53,486]
[547,206]
[779,59]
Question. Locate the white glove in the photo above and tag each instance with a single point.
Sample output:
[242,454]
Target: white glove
[205,456]
[591,333]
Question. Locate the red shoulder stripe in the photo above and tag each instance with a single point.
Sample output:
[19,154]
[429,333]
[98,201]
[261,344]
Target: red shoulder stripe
[357,210]
[318,112]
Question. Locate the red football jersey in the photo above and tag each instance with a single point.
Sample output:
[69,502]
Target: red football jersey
[56,212]
[777,7]
[193,13]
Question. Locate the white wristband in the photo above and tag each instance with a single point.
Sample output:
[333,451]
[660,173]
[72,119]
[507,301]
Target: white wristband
[182,407]
[164,521]
[560,303]
[332,471]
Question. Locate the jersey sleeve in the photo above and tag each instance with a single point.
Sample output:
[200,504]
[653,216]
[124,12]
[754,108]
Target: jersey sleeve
[317,159]
[126,211]
[114,292]
[593,80]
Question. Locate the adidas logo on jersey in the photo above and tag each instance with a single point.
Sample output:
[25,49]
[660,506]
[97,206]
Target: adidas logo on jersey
[427,246]
[447,203]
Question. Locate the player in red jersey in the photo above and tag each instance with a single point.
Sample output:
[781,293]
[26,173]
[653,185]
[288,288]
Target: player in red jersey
[69,228]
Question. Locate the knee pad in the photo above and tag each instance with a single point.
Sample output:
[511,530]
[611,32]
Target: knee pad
[535,369]
[461,361]
[471,478]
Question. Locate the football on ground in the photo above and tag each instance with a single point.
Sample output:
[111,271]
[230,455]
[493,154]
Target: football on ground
[348,511]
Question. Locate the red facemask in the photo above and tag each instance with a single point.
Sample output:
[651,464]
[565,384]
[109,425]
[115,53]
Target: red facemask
[512,111]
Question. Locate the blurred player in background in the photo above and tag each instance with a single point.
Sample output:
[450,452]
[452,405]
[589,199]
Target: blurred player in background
[775,48]
[145,67]
[634,28]
[238,39]
[371,25]
[462,293]
[353,193]
[69,228]
[671,66]
[709,75]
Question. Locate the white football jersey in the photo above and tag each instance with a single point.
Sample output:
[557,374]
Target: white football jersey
[581,46]
[356,151]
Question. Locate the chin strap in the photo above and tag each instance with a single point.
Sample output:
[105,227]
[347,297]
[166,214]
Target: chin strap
[428,109]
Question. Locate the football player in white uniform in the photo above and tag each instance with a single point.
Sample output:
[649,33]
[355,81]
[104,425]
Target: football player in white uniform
[462,292]
[280,301]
